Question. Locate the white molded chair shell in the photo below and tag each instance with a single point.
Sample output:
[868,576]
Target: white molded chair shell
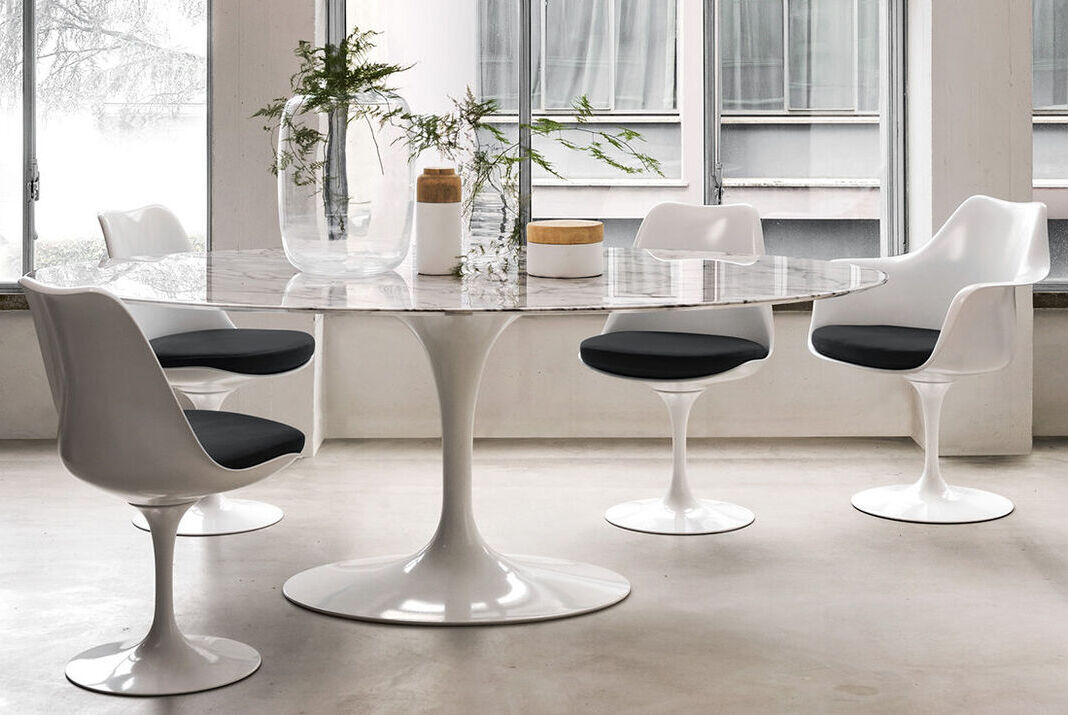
[961,282]
[155,230]
[148,231]
[151,231]
[120,426]
[733,229]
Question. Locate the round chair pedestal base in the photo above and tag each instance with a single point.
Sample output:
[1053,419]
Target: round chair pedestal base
[188,665]
[957,505]
[653,516]
[471,586]
[219,515]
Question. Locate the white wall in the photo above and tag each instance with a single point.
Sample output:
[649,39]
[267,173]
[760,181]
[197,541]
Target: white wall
[969,132]
[252,60]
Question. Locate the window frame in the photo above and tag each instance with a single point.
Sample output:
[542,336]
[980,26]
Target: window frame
[29,135]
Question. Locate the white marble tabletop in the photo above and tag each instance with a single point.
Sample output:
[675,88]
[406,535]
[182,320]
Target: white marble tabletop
[634,279]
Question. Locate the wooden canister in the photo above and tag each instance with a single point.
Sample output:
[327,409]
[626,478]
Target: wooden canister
[438,231]
[565,248]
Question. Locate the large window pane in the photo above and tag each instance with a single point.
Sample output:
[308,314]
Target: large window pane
[822,58]
[813,168]
[621,55]
[498,24]
[751,56]
[122,117]
[10,140]
[1050,90]
[1050,54]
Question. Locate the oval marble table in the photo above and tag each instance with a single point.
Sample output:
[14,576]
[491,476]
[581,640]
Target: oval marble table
[458,578]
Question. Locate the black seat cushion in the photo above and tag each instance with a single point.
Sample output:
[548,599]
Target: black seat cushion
[659,355]
[242,441]
[888,347]
[240,350]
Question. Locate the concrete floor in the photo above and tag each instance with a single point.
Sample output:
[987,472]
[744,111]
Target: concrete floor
[814,608]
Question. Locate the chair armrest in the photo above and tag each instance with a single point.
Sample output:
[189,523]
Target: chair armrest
[886,303]
[979,332]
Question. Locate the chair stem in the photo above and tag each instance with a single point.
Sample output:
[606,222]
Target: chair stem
[163,525]
[931,395]
[679,404]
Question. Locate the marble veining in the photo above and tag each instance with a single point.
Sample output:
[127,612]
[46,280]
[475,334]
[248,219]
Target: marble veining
[634,279]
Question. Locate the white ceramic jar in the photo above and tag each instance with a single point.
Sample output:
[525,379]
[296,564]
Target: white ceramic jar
[438,228]
[565,248]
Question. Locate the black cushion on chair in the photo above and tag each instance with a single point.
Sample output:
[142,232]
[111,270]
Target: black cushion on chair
[241,350]
[241,441]
[887,347]
[659,355]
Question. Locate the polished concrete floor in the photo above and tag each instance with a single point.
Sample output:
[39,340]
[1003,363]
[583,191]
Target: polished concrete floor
[814,608]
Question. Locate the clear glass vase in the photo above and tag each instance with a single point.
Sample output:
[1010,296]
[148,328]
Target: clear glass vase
[345,185]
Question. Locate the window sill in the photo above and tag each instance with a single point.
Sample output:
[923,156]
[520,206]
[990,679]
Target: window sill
[629,183]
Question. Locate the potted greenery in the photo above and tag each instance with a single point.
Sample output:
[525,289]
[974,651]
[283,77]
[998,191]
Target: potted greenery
[339,195]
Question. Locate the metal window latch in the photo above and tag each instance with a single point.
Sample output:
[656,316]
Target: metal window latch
[35,182]
[717,184]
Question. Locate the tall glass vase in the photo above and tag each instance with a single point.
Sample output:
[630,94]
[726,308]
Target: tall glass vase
[345,185]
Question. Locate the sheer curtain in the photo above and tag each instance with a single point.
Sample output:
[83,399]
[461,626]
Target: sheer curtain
[751,55]
[646,51]
[577,53]
[1050,54]
[581,37]
[822,59]
[498,51]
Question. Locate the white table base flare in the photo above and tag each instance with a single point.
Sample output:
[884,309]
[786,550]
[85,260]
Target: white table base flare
[457,578]
[679,512]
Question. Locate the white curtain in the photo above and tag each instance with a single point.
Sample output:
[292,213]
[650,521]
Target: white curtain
[751,55]
[577,53]
[498,51]
[822,57]
[646,52]
[579,44]
[1050,50]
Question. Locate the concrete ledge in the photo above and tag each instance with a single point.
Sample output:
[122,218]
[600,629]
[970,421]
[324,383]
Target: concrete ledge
[13,301]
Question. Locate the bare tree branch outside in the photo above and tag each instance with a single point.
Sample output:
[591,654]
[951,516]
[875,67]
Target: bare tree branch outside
[122,77]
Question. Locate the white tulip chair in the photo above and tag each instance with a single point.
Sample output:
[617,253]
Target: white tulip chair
[121,429]
[680,354]
[205,357]
[946,311]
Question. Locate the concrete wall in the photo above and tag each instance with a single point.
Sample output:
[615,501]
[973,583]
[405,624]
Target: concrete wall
[1051,373]
[969,132]
[380,386]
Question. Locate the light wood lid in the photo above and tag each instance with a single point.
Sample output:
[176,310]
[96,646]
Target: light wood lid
[565,232]
[438,185]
